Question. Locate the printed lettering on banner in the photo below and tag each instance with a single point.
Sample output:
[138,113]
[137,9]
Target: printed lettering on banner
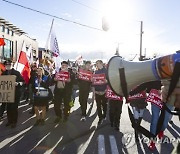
[99,79]
[137,96]
[111,95]
[7,88]
[62,76]
[154,97]
[85,75]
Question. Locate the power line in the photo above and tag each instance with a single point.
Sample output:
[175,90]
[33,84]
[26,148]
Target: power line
[47,14]
[86,6]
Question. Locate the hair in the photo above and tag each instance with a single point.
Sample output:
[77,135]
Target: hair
[64,62]
[100,61]
[41,68]
[87,62]
[7,62]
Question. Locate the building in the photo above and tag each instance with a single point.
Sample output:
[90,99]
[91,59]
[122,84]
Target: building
[14,38]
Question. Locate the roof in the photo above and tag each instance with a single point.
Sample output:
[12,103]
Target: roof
[11,26]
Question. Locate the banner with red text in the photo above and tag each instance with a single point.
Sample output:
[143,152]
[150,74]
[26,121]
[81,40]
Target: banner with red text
[99,79]
[155,98]
[85,75]
[62,76]
[111,95]
[137,96]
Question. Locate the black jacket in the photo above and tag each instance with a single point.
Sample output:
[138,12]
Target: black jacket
[19,78]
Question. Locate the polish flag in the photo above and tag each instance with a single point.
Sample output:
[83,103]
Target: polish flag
[23,64]
[2,43]
[2,68]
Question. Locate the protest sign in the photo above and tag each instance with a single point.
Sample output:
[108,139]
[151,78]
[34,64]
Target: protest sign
[62,76]
[85,75]
[99,79]
[154,97]
[137,96]
[7,88]
[111,95]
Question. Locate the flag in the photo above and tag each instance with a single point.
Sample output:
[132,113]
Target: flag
[23,64]
[57,62]
[2,68]
[54,48]
[79,60]
[2,43]
[30,54]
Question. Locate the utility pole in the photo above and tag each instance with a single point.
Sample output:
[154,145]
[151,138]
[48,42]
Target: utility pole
[141,32]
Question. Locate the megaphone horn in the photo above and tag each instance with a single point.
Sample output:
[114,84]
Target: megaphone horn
[136,73]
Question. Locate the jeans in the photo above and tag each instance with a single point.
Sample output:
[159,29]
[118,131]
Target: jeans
[137,113]
[115,110]
[101,102]
[155,116]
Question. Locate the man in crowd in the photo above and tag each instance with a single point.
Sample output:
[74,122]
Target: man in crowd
[100,90]
[84,88]
[62,93]
[33,75]
[12,107]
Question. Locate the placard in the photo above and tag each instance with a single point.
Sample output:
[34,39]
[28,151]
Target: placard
[62,76]
[7,88]
[137,96]
[85,75]
[99,79]
[155,98]
[111,95]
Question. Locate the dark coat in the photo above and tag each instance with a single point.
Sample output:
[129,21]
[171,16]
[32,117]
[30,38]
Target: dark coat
[19,78]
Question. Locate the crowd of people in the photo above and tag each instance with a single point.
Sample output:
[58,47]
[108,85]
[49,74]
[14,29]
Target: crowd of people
[60,87]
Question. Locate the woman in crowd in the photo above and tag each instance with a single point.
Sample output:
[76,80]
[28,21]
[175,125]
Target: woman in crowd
[41,94]
[84,89]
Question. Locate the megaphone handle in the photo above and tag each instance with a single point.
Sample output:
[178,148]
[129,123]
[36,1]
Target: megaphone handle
[123,82]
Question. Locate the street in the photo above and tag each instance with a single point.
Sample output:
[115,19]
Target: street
[77,137]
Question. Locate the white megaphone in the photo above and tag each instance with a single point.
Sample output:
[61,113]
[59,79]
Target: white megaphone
[135,73]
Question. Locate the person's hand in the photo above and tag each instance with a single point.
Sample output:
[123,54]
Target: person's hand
[68,80]
[55,79]
[16,83]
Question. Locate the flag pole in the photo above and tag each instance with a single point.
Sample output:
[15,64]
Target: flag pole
[46,46]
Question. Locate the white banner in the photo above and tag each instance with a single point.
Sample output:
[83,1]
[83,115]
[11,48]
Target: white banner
[54,44]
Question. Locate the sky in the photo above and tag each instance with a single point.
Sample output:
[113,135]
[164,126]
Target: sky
[160,26]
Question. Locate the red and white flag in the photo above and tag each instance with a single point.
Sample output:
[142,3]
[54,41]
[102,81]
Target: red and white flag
[23,65]
[2,43]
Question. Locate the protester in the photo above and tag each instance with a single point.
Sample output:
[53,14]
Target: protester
[156,110]
[115,108]
[33,75]
[100,98]
[84,89]
[62,93]
[138,104]
[12,107]
[41,94]
[75,85]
